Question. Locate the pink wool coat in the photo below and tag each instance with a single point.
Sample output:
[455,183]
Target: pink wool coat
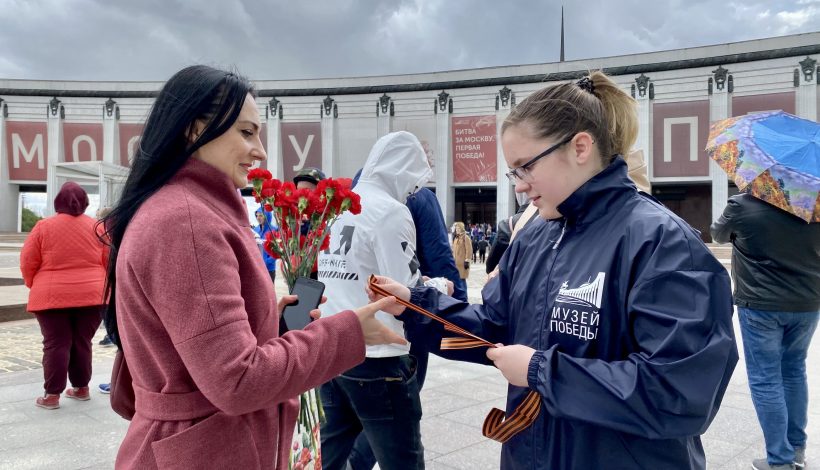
[215,385]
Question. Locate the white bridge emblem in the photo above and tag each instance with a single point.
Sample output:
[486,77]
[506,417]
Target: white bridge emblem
[588,294]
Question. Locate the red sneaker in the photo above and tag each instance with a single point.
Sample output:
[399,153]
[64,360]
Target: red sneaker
[48,401]
[78,393]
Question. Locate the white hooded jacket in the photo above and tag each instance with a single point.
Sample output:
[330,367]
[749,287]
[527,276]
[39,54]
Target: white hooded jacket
[382,239]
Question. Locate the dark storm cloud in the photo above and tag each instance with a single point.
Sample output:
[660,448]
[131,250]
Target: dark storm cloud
[149,40]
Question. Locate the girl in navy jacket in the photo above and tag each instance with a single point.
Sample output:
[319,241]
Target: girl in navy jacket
[609,307]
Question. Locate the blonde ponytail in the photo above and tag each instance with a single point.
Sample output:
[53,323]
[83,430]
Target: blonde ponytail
[621,113]
[595,105]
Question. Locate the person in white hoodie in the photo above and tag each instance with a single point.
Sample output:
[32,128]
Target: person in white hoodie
[379,397]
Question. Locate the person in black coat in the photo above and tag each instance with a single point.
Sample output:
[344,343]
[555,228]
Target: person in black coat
[776,267]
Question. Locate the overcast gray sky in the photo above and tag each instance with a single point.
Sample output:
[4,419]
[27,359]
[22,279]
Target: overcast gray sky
[285,39]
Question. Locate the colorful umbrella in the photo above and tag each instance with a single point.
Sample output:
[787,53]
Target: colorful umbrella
[776,155]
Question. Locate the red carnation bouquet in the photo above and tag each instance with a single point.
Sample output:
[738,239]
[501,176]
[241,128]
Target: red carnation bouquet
[296,247]
[304,218]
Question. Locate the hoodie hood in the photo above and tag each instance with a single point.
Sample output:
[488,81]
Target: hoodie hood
[72,199]
[398,165]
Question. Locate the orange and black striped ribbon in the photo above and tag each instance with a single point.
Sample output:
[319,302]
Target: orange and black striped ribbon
[495,426]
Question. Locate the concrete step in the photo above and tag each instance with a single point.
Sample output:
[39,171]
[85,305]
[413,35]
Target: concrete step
[14,312]
[13,237]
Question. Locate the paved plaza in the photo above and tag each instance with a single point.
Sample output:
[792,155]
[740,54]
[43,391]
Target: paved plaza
[456,398]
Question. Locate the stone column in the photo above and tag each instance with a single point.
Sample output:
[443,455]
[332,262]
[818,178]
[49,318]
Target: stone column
[9,193]
[329,113]
[384,116]
[111,132]
[720,107]
[274,150]
[445,193]
[504,193]
[807,89]
[111,146]
[644,93]
[56,114]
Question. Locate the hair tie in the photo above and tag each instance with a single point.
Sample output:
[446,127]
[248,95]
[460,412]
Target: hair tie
[586,85]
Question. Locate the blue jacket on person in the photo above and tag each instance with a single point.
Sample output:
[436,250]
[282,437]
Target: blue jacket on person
[262,231]
[432,244]
[631,319]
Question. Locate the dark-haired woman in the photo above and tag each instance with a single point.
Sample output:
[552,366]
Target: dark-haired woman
[63,263]
[193,308]
[609,312]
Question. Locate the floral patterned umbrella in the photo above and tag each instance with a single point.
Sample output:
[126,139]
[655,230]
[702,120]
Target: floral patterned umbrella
[775,155]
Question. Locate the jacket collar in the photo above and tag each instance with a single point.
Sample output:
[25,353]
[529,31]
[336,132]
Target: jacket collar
[598,195]
[215,188]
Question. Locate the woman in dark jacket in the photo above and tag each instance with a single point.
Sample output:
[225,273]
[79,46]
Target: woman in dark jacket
[611,320]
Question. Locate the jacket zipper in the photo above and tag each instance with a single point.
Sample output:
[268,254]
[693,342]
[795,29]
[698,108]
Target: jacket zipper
[555,247]
[545,317]
[560,237]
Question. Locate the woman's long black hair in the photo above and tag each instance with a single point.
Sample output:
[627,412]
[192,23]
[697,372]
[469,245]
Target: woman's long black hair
[194,94]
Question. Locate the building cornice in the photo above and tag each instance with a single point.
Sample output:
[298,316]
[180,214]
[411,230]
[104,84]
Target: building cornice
[438,85]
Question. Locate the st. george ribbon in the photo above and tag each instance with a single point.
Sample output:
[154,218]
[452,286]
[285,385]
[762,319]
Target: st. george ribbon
[495,426]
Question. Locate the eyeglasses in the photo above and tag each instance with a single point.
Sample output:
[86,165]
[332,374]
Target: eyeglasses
[522,173]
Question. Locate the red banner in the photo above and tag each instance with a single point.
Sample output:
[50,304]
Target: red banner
[301,147]
[129,140]
[474,149]
[82,142]
[27,150]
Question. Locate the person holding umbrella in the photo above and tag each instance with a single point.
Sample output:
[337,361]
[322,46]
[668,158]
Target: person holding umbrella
[775,263]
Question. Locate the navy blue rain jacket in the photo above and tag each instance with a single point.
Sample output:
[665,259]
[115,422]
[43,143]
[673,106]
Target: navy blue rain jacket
[631,318]
[432,244]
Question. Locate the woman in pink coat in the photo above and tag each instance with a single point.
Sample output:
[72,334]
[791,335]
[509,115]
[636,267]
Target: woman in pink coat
[192,306]
[63,263]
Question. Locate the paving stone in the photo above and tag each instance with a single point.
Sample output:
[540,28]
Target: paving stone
[485,455]
[475,414]
[436,402]
[721,451]
[445,436]
[736,425]
[479,389]
[57,455]
[53,426]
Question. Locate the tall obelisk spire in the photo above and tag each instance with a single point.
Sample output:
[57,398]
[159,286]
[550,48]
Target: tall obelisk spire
[562,33]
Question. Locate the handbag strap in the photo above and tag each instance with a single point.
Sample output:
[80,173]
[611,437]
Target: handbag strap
[525,218]
[495,427]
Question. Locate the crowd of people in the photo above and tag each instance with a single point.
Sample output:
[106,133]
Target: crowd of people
[606,313]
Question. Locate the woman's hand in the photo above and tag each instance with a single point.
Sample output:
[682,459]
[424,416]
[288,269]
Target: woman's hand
[400,291]
[513,362]
[286,300]
[376,332]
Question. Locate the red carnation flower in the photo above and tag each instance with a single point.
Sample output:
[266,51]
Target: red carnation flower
[355,203]
[259,174]
[345,183]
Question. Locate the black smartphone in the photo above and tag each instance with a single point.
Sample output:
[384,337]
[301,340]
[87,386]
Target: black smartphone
[309,292]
